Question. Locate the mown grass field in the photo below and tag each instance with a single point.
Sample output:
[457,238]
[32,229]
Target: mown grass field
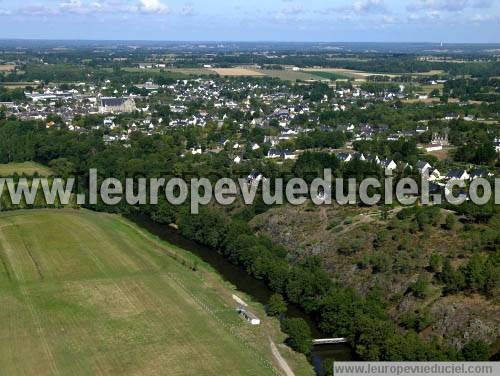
[289,75]
[28,168]
[237,72]
[85,293]
[362,75]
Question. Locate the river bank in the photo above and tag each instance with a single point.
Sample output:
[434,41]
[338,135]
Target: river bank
[247,284]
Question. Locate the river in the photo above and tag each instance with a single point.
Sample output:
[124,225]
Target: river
[247,284]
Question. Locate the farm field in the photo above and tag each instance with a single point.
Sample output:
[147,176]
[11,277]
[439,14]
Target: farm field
[7,67]
[361,75]
[27,168]
[178,72]
[289,75]
[192,71]
[234,72]
[88,293]
[350,73]
[329,75]
[18,85]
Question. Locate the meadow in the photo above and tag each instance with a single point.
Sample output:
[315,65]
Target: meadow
[290,75]
[27,168]
[237,72]
[88,293]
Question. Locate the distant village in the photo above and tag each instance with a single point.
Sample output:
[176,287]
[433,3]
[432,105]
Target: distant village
[286,113]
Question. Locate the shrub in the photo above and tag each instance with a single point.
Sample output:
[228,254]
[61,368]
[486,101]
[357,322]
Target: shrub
[299,335]
[476,351]
[277,305]
[451,222]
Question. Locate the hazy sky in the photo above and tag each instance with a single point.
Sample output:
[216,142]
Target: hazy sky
[256,20]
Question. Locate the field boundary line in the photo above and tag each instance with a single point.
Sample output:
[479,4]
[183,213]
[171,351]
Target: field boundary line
[40,331]
[30,254]
[230,328]
[5,266]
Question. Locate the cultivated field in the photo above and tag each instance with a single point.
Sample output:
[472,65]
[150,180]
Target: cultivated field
[361,75]
[18,85]
[289,75]
[27,168]
[7,67]
[347,72]
[178,71]
[193,71]
[234,72]
[85,293]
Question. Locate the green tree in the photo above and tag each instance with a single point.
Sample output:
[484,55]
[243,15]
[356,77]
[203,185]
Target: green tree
[420,287]
[62,167]
[476,351]
[436,263]
[453,280]
[299,335]
[277,305]
[475,273]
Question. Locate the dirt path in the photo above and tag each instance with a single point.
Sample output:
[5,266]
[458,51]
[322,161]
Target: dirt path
[282,362]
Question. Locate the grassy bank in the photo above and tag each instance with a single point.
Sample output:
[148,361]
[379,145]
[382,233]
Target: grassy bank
[90,293]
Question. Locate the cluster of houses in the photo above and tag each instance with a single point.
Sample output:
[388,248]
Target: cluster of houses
[387,164]
[434,175]
[278,108]
[424,168]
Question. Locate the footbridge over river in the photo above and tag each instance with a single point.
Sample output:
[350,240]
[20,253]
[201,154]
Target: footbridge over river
[329,341]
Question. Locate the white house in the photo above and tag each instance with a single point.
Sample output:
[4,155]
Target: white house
[423,166]
[254,178]
[480,173]
[344,157]
[273,153]
[389,164]
[458,174]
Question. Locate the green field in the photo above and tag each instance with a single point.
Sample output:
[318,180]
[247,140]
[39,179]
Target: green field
[289,75]
[83,293]
[28,168]
[329,75]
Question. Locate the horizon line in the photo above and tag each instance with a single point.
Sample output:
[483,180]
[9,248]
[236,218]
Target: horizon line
[243,41]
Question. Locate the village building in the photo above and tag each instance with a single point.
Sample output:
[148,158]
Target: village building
[109,105]
[458,174]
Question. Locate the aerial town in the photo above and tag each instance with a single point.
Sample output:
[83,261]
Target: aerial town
[248,288]
[279,114]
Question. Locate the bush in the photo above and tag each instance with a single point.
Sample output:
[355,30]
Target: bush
[436,263]
[299,335]
[277,305]
[476,351]
[451,222]
[381,263]
[417,320]
[420,288]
